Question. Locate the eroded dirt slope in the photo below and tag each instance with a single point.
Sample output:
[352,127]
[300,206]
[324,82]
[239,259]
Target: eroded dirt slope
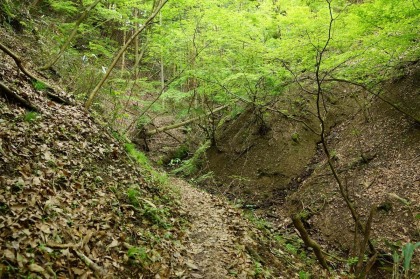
[376,151]
[379,160]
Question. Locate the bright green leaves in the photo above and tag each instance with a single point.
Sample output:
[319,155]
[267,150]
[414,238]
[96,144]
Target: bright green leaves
[67,7]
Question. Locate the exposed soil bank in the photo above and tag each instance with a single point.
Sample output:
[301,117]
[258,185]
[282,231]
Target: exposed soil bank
[377,153]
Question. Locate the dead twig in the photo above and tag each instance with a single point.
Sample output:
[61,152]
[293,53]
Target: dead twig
[99,271]
[52,244]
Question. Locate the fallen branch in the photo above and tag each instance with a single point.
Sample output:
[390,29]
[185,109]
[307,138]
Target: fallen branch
[52,244]
[183,123]
[7,92]
[19,63]
[99,272]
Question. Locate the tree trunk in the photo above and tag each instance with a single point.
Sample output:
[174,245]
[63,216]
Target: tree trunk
[120,53]
[72,35]
[123,55]
[297,222]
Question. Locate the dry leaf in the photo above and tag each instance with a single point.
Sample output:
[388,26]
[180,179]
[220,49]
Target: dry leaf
[9,255]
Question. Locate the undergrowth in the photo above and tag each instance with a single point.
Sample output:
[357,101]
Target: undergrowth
[150,174]
[193,165]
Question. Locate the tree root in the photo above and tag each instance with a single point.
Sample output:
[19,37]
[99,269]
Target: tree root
[9,94]
[52,96]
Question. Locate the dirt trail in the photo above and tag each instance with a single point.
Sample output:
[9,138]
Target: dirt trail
[216,244]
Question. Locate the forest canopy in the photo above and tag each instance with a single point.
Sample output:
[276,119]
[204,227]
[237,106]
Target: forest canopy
[211,53]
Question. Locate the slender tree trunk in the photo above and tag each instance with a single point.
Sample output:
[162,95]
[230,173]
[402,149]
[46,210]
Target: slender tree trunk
[297,222]
[162,73]
[123,55]
[136,47]
[70,38]
[120,53]
[319,101]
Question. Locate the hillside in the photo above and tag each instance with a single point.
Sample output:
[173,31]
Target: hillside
[376,152]
[76,203]
[209,139]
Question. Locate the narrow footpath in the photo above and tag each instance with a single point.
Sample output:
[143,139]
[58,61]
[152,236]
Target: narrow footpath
[217,243]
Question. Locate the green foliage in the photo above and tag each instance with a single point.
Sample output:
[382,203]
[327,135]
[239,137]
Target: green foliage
[181,152]
[260,271]
[192,165]
[138,253]
[39,85]
[63,6]
[295,137]
[153,176]
[30,116]
[407,255]
[304,275]
[259,223]
[133,194]
[403,260]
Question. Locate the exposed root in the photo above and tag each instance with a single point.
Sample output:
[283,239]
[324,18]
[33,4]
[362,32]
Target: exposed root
[10,94]
[52,96]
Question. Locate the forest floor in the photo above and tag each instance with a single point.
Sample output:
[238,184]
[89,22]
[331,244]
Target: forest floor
[74,203]
[214,237]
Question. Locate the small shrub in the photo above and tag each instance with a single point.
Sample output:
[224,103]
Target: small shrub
[295,137]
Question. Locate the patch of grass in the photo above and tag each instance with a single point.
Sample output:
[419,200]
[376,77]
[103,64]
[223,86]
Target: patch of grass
[146,208]
[304,275]
[156,215]
[259,223]
[151,175]
[260,271]
[132,195]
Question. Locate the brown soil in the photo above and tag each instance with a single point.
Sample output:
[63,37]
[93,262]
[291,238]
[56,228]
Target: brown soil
[278,175]
[214,245]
